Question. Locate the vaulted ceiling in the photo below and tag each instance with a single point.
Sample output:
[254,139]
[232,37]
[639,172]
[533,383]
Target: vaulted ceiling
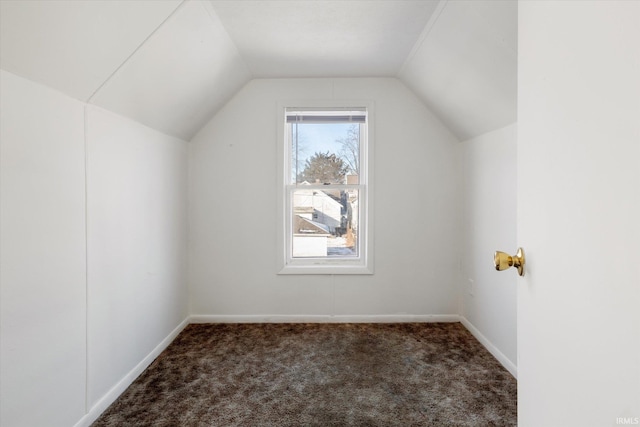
[173,64]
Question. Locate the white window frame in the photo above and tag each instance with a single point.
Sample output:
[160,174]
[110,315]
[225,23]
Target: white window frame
[361,264]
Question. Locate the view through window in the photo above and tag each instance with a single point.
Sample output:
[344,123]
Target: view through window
[326,181]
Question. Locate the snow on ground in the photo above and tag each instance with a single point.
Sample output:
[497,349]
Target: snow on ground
[336,246]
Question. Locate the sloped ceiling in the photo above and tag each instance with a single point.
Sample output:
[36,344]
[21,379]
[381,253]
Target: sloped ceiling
[324,38]
[74,46]
[464,66]
[166,64]
[172,64]
[180,76]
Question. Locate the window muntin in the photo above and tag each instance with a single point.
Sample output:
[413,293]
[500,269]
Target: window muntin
[325,189]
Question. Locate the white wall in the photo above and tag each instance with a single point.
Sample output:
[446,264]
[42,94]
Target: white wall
[233,211]
[42,256]
[137,222]
[488,168]
[63,336]
[578,213]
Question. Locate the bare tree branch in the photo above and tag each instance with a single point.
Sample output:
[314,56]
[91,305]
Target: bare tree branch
[350,151]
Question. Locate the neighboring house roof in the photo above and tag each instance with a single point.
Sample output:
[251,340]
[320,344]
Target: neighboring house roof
[307,227]
[320,193]
[303,210]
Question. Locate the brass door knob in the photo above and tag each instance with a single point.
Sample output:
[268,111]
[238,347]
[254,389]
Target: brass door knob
[502,261]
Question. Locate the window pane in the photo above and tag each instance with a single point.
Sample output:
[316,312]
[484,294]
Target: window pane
[325,153]
[325,223]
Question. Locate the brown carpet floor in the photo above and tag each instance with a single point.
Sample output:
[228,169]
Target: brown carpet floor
[401,374]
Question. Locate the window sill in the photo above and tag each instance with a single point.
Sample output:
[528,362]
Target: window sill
[325,269]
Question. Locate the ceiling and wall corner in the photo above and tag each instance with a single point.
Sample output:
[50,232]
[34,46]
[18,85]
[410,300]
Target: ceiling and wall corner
[171,65]
[282,39]
[180,76]
[464,66]
[74,46]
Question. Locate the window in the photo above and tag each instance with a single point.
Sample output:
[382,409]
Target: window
[324,174]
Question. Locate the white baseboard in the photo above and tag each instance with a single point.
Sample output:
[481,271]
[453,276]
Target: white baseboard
[286,318]
[126,381]
[504,360]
